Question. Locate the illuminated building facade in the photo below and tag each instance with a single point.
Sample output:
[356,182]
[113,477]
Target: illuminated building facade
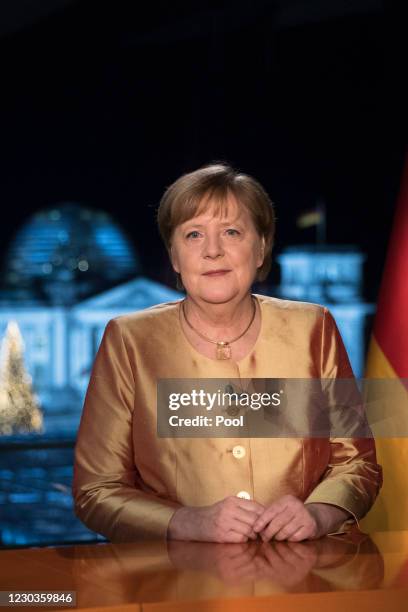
[333,276]
[56,275]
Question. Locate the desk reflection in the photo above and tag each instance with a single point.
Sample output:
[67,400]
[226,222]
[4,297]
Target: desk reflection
[163,571]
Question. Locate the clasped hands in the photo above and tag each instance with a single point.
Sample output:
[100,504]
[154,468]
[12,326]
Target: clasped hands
[290,519]
[238,520]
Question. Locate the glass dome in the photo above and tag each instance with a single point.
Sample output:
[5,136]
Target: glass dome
[66,253]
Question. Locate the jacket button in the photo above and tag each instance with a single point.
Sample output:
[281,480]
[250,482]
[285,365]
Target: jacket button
[244,495]
[238,452]
[233,410]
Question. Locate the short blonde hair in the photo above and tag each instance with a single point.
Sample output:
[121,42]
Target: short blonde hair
[189,194]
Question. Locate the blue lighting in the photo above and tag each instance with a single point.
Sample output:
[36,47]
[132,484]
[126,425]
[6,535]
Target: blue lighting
[332,276]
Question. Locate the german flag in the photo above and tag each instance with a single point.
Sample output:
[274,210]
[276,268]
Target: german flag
[388,359]
[309,218]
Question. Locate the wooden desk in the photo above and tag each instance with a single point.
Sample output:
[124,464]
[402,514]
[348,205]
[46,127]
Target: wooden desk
[353,572]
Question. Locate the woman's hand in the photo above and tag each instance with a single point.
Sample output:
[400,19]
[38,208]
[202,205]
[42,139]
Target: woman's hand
[229,520]
[290,519]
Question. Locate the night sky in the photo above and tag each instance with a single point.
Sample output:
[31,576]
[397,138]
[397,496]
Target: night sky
[106,103]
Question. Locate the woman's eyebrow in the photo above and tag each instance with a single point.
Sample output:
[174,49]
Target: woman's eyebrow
[231,222]
[190,223]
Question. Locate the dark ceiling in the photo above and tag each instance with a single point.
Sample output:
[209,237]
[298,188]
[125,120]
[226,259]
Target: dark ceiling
[178,19]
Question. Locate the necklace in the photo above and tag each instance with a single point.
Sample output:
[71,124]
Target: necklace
[223,347]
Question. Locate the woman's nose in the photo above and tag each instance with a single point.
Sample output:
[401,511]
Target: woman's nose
[212,246]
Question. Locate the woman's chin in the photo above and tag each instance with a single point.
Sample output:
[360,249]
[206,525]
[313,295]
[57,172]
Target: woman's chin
[218,295]
[217,291]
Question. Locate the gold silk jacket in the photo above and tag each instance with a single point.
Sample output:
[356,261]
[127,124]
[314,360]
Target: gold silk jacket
[128,482]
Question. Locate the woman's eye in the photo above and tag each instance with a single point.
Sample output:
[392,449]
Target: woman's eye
[232,232]
[193,234]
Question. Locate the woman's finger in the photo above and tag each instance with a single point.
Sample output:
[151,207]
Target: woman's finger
[301,534]
[277,523]
[288,531]
[246,516]
[242,527]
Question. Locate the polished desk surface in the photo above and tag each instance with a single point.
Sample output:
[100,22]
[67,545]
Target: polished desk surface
[364,573]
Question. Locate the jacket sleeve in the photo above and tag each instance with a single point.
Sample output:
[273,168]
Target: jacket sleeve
[353,477]
[107,488]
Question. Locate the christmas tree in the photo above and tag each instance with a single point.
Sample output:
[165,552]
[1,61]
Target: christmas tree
[19,407]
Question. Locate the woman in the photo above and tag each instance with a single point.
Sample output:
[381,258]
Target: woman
[218,227]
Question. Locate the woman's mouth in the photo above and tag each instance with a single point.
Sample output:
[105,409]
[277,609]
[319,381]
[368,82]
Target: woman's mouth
[216,272]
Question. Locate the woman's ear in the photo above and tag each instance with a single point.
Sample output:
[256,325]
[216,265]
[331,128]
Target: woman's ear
[262,251]
[173,259]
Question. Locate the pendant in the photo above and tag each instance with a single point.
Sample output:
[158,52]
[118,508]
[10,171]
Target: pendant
[223,350]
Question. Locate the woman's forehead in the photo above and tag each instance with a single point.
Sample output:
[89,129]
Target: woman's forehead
[228,208]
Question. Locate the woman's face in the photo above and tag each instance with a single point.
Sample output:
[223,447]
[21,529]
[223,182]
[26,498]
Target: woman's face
[218,256]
